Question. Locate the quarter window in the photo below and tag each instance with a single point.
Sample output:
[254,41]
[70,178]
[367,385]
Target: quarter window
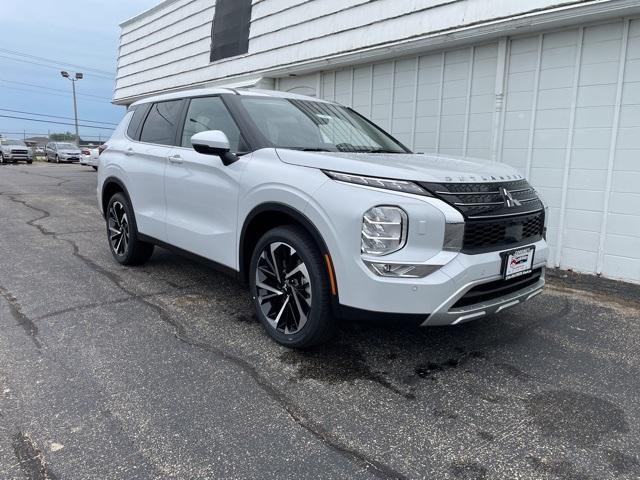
[134,126]
[210,113]
[160,125]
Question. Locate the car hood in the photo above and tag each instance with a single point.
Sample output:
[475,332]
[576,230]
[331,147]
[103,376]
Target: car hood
[416,167]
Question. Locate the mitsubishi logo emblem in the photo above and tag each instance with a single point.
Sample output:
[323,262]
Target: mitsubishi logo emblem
[509,201]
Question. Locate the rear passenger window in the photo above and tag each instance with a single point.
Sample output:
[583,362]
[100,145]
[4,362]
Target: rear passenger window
[134,125]
[210,113]
[160,125]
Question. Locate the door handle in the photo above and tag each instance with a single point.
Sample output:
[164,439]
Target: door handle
[175,159]
[129,151]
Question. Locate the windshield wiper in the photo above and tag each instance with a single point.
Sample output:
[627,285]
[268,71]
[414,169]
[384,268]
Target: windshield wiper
[379,150]
[315,149]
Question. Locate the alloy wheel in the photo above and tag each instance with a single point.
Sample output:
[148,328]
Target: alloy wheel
[118,229]
[283,287]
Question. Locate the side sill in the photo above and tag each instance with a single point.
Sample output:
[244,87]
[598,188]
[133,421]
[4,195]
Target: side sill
[192,256]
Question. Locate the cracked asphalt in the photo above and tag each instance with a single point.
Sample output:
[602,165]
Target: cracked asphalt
[161,371]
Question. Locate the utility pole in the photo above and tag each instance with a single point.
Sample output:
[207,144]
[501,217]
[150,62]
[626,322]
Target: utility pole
[74,79]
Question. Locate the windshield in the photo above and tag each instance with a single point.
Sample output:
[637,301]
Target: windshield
[69,146]
[317,126]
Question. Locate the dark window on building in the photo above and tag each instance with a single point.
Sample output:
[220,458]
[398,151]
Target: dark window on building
[139,112]
[230,34]
[161,123]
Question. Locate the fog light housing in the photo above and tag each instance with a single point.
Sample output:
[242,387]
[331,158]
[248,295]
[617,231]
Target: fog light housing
[384,230]
[401,270]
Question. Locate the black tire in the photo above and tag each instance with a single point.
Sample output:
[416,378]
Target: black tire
[95,168]
[2,158]
[29,162]
[130,250]
[319,324]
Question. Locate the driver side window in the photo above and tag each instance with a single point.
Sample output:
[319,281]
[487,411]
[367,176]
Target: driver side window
[210,113]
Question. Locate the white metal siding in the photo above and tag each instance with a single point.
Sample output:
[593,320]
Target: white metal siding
[169,46]
[570,122]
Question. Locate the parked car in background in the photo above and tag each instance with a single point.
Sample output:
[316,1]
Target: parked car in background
[13,151]
[39,151]
[89,157]
[62,152]
[320,211]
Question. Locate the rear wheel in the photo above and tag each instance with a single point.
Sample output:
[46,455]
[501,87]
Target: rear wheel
[290,288]
[122,233]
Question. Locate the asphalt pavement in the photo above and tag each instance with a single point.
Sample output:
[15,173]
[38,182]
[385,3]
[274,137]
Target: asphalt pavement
[162,371]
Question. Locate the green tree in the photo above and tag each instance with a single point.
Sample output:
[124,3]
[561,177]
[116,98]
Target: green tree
[62,137]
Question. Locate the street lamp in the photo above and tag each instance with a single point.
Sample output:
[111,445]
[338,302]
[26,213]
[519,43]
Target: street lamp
[74,79]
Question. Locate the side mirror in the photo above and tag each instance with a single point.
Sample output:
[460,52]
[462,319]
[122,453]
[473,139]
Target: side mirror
[214,142]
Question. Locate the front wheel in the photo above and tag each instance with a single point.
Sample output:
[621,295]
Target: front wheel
[1,158]
[290,288]
[94,167]
[57,159]
[122,233]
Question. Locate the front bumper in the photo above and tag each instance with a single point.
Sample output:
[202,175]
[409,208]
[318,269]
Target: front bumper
[438,296]
[449,314]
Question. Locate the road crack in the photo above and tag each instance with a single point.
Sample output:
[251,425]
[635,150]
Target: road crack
[31,458]
[324,435]
[23,320]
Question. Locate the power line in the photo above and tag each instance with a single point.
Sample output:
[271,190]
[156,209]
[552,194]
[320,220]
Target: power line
[52,122]
[54,94]
[46,134]
[52,89]
[53,67]
[97,70]
[57,116]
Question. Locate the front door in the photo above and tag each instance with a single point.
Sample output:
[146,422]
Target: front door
[202,193]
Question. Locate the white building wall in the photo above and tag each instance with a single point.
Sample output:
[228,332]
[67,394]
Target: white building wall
[561,103]
[168,47]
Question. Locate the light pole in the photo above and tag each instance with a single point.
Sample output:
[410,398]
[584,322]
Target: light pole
[74,79]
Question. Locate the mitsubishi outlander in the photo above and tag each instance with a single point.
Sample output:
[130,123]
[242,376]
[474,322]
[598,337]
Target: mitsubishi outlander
[322,213]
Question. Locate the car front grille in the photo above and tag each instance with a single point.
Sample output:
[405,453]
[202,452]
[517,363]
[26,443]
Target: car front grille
[498,215]
[19,152]
[486,235]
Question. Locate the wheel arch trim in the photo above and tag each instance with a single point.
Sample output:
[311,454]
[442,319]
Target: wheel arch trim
[108,181]
[294,213]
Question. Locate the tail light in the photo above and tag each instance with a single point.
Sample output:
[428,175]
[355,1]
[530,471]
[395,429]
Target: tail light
[86,152]
[102,148]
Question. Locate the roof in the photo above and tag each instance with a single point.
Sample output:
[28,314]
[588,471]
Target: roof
[200,92]
[149,11]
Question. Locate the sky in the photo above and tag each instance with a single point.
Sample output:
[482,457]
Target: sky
[74,35]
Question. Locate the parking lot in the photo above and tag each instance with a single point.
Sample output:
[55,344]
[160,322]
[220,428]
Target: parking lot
[161,371]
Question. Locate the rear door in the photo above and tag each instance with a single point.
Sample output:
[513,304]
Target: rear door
[202,193]
[147,163]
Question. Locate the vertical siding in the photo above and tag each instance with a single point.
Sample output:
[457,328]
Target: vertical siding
[621,242]
[570,123]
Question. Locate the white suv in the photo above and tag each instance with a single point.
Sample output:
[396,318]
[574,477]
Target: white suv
[321,212]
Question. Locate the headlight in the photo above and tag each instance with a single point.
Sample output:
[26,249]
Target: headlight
[386,183]
[384,230]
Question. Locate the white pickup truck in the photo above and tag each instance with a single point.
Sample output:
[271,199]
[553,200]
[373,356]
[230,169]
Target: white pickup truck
[13,151]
